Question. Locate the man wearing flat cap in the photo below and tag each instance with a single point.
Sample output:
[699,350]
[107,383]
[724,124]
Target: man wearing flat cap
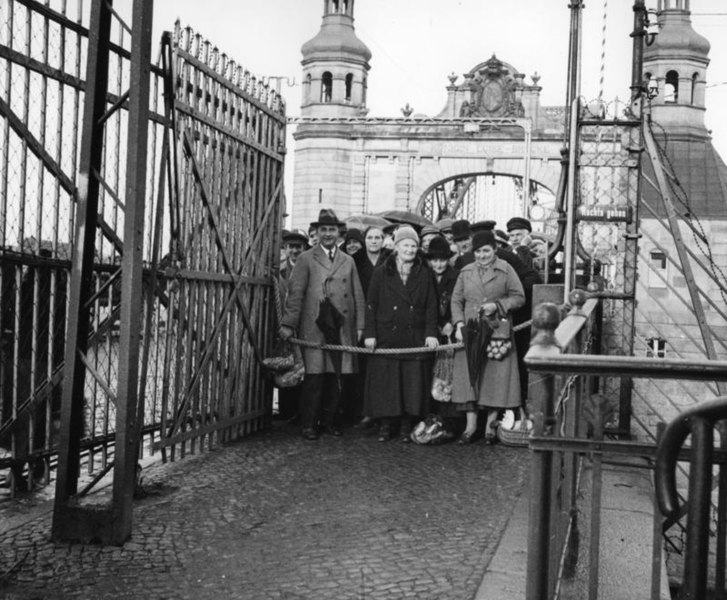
[295,242]
[519,230]
[324,271]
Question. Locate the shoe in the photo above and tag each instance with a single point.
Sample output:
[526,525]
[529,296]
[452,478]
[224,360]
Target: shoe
[405,431]
[333,430]
[384,434]
[310,434]
[365,423]
[490,434]
[466,438]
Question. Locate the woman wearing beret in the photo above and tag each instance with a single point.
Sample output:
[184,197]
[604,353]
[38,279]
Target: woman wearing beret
[401,313]
[489,285]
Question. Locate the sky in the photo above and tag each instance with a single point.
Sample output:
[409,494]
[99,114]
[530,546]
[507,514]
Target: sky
[416,44]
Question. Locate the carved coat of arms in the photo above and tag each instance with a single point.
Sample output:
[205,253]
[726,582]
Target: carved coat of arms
[494,93]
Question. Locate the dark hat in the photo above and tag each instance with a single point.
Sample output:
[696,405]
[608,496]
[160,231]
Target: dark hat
[461,230]
[327,217]
[484,238]
[354,234]
[439,248]
[519,223]
[483,226]
[501,237]
[296,235]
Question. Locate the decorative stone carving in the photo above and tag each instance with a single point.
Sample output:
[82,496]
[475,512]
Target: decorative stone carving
[495,92]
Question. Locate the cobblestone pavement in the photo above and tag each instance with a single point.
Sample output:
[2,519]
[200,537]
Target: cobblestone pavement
[277,517]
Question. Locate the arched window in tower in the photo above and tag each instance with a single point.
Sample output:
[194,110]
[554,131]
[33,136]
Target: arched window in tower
[334,6]
[349,86]
[363,90]
[695,77]
[671,87]
[326,87]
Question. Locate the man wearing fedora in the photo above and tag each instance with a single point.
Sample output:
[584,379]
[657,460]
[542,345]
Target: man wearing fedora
[324,271]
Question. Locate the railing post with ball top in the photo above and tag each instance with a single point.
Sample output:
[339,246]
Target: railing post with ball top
[546,318]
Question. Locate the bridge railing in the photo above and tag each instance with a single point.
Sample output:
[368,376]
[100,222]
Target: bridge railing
[570,427]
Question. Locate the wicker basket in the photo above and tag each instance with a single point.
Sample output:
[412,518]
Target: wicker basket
[514,437]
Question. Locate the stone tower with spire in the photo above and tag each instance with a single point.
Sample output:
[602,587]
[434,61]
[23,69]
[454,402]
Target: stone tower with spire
[676,65]
[335,70]
[335,66]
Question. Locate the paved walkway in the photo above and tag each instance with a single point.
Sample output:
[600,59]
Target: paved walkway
[276,517]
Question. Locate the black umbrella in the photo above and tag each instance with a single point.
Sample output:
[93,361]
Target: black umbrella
[406,217]
[476,334]
[329,321]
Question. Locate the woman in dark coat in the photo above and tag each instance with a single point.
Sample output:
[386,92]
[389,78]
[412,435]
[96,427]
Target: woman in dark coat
[445,276]
[491,285]
[401,313]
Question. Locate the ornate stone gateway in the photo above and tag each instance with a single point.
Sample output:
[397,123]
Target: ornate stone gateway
[491,126]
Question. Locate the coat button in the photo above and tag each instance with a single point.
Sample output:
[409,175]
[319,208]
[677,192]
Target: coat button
[396,307]
[345,295]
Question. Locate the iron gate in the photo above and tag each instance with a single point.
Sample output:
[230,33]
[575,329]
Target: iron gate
[212,210]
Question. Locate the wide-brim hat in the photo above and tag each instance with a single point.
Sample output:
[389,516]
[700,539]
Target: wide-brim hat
[439,248]
[461,230]
[327,217]
[519,223]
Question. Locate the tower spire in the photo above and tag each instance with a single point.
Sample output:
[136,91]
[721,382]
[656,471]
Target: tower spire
[335,65]
[676,63]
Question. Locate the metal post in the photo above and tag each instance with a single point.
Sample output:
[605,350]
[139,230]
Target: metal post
[546,317]
[65,523]
[698,511]
[569,276]
[127,427]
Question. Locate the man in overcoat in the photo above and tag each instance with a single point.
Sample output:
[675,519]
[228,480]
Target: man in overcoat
[324,271]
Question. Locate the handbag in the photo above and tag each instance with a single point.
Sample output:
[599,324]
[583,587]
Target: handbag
[293,375]
[443,376]
[501,341]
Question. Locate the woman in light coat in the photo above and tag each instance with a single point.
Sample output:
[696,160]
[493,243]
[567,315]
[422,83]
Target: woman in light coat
[491,285]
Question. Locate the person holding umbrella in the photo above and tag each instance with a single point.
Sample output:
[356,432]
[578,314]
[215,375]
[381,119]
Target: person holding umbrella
[401,313]
[325,304]
[489,287]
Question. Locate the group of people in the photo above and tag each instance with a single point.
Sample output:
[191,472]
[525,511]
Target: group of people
[403,289]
